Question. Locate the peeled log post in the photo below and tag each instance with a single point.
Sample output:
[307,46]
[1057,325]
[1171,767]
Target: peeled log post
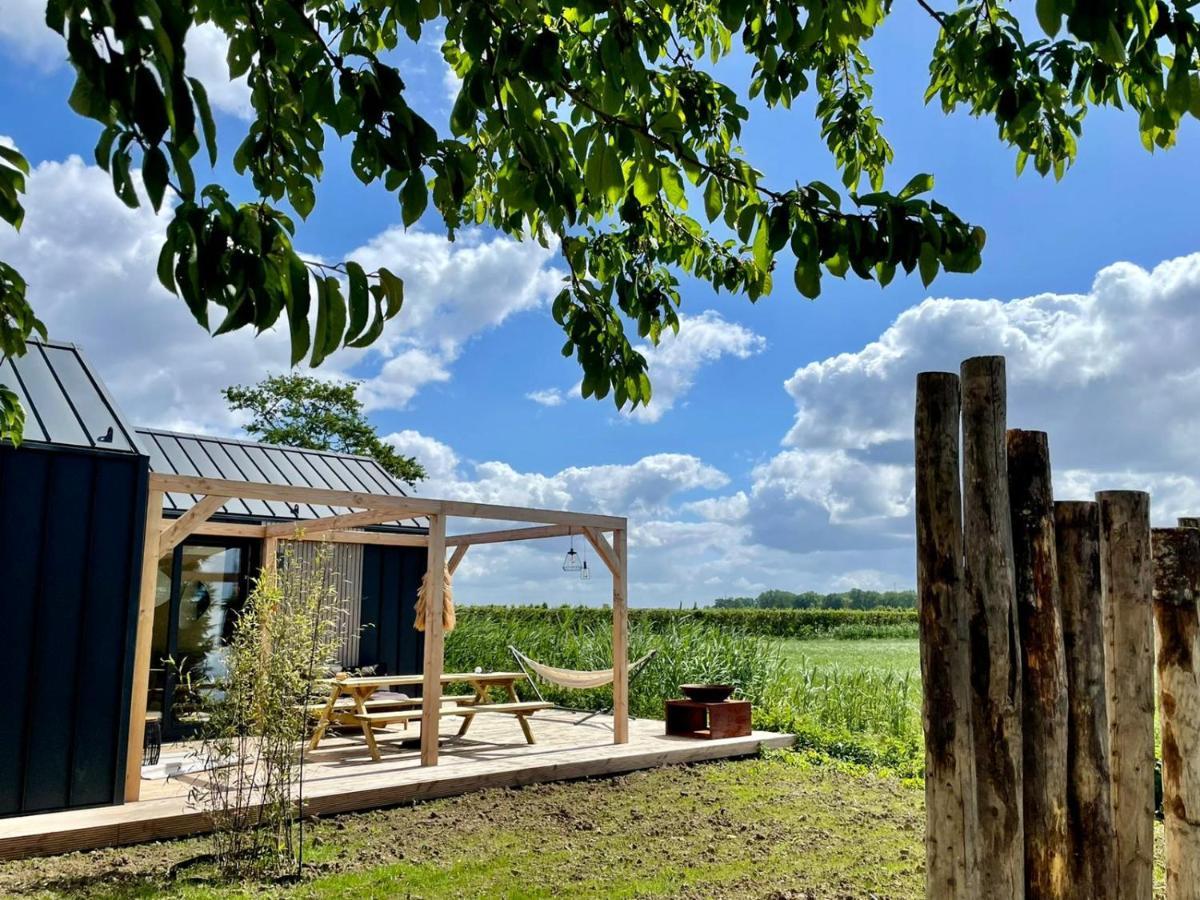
[951,822]
[1176,586]
[1092,864]
[1127,578]
[995,643]
[1044,666]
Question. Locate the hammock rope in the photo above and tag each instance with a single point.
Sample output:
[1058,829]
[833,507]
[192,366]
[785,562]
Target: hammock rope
[579,680]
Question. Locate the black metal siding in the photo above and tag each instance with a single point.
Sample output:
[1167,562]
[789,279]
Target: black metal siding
[391,577]
[71,525]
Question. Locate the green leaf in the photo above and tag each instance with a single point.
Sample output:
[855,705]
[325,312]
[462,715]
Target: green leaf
[331,319]
[647,182]
[154,175]
[206,119]
[1048,16]
[413,198]
[298,303]
[166,264]
[808,278]
[918,184]
[712,198]
[673,186]
[14,158]
[359,302]
[393,291]
[603,174]
[928,264]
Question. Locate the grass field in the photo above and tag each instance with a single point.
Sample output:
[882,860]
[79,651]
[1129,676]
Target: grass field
[774,827]
[899,657]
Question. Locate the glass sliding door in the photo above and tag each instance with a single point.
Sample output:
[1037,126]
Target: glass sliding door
[199,598]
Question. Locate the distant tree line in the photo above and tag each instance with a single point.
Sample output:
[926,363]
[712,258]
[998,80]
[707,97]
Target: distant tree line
[852,599]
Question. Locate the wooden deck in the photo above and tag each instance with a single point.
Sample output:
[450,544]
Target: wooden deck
[340,776]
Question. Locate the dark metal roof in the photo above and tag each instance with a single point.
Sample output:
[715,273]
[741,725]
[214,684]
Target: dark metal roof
[65,403]
[218,457]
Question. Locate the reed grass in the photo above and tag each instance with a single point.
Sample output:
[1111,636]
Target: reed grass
[866,716]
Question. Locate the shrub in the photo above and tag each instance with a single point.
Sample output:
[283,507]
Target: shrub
[254,717]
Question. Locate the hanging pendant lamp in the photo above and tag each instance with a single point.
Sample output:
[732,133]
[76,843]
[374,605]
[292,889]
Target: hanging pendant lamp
[573,561]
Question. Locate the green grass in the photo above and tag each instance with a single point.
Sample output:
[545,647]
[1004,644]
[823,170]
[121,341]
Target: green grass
[774,827]
[898,656]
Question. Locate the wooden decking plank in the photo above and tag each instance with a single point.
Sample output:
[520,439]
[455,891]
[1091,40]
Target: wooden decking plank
[339,778]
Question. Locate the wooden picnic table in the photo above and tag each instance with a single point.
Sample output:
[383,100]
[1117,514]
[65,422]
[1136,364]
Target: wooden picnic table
[359,690]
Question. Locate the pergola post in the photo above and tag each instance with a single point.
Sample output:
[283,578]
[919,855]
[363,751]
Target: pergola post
[141,648]
[270,554]
[620,638]
[431,688]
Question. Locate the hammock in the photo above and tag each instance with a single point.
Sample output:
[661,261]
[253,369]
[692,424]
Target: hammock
[448,618]
[575,679]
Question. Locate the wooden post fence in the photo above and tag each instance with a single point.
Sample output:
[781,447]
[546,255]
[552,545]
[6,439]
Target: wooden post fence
[1176,587]
[1037,663]
[991,600]
[952,820]
[1044,667]
[1127,579]
[1092,865]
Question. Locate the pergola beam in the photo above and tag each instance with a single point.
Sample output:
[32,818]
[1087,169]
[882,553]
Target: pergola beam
[459,552]
[246,530]
[177,531]
[329,523]
[402,506]
[603,549]
[249,490]
[510,534]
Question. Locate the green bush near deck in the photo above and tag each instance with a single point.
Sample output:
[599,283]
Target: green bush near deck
[864,716]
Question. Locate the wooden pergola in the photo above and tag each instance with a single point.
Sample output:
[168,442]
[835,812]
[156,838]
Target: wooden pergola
[163,535]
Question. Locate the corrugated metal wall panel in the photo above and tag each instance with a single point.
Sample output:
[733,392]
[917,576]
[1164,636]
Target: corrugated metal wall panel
[391,577]
[345,565]
[70,544]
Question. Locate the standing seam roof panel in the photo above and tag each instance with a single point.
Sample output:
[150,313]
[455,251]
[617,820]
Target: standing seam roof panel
[241,460]
[64,402]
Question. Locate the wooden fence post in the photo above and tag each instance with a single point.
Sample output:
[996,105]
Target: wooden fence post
[1044,666]
[1127,579]
[1092,864]
[951,820]
[995,642]
[1176,586]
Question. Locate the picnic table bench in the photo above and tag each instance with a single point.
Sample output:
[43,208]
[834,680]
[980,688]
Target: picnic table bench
[370,714]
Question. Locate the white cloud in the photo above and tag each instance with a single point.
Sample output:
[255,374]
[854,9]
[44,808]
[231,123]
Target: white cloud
[547,397]
[440,460]
[453,291]
[90,264]
[207,46]
[676,361]
[678,358]
[23,28]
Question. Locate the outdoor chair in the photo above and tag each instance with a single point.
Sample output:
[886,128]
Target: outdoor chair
[575,679]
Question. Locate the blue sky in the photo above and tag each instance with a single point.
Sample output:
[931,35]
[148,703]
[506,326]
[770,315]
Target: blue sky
[755,471]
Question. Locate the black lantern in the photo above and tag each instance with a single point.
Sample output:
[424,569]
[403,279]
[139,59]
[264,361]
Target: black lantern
[573,561]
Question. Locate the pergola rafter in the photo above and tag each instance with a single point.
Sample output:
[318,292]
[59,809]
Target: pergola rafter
[368,509]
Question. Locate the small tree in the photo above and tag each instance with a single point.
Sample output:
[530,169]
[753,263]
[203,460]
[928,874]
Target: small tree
[302,411]
[256,716]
